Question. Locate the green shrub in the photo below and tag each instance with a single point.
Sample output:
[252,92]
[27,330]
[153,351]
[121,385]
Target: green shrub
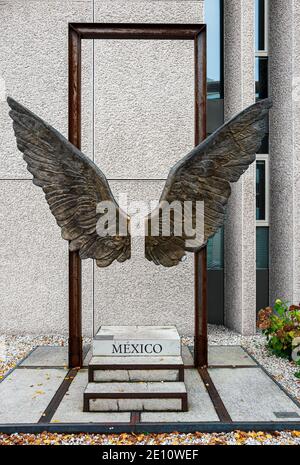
[281,325]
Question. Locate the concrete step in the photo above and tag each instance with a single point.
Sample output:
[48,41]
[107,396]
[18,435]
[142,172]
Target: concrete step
[135,369]
[123,397]
[137,341]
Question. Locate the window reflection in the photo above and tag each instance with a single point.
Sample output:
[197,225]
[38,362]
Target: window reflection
[262,248]
[215,107]
[214,59]
[215,251]
[260,190]
[261,77]
[260,25]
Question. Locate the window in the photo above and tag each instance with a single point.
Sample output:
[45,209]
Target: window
[215,251]
[261,47]
[262,159]
[261,27]
[214,21]
[261,77]
[262,190]
[262,248]
[215,106]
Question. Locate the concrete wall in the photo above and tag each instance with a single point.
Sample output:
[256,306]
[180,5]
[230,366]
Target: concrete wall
[284,51]
[240,227]
[142,94]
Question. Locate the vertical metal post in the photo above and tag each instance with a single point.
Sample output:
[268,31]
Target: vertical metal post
[201,343]
[75,323]
[200,339]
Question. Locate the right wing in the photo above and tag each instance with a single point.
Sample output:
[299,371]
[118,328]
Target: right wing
[204,175]
[73,187]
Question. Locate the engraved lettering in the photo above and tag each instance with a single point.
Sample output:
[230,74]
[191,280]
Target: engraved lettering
[158,350]
[117,350]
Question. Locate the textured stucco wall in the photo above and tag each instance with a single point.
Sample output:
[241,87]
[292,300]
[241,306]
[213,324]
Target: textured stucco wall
[33,65]
[284,50]
[240,259]
[34,258]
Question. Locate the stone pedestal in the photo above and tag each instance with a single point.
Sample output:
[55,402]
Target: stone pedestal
[136,368]
[137,341]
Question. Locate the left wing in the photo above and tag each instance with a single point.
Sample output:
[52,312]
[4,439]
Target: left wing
[73,188]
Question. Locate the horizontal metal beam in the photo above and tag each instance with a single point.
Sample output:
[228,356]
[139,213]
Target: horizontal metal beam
[137,31]
[187,427]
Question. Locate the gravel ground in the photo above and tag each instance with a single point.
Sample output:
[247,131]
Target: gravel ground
[235,438]
[17,347]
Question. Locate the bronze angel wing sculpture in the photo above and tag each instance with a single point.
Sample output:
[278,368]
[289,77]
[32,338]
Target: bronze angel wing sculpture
[74,185]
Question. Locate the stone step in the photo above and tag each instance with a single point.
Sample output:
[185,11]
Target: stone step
[135,369]
[124,397]
[137,341]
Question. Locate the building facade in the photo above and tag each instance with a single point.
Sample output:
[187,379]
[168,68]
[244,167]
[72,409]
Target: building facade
[137,122]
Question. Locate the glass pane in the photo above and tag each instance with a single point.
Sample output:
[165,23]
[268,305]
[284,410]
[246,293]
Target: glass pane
[265,145]
[260,190]
[215,251]
[213,21]
[215,115]
[261,77]
[262,248]
[260,25]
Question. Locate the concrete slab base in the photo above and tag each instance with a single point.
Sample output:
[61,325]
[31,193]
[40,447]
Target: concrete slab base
[135,369]
[229,356]
[110,376]
[70,409]
[200,406]
[150,396]
[25,394]
[51,356]
[251,398]
[251,395]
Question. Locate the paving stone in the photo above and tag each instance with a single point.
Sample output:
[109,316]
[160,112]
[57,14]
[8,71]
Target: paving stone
[25,393]
[187,356]
[249,394]
[136,375]
[88,357]
[132,388]
[135,403]
[70,409]
[47,356]
[199,404]
[50,356]
[129,368]
[229,355]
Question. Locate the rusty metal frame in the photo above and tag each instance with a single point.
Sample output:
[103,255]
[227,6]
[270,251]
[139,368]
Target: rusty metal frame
[77,33]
